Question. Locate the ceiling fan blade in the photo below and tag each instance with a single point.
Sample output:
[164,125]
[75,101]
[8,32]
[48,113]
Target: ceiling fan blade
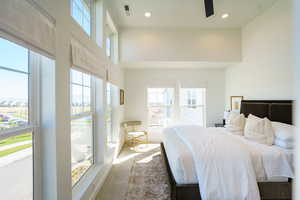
[209,7]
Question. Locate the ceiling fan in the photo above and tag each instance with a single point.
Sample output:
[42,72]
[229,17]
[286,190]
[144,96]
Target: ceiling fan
[209,8]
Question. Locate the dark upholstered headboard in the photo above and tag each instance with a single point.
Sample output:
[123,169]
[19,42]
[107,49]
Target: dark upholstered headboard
[274,110]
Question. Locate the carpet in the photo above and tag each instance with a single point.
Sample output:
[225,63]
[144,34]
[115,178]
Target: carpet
[148,178]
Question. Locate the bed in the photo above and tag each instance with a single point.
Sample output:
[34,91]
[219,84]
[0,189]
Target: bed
[182,174]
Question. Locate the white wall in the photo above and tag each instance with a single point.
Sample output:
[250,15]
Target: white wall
[116,76]
[215,45]
[138,80]
[266,69]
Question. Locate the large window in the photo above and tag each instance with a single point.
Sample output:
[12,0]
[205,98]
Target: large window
[160,106]
[18,123]
[111,46]
[112,104]
[108,46]
[81,12]
[111,35]
[82,130]
[192,106]
[108,114]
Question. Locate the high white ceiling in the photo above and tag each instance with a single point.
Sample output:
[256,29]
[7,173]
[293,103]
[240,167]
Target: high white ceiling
[186,13]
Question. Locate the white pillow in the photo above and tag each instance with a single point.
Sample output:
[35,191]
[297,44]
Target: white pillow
[283,131]
[284,144]
[259,130]
[231,116]
[236,123]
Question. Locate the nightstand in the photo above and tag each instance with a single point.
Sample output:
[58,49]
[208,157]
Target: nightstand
[219,125]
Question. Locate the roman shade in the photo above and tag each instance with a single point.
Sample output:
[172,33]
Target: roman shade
[26,23]
[86,61]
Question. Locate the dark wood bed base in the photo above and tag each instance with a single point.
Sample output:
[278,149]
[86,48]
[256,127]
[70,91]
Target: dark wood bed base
[280,111]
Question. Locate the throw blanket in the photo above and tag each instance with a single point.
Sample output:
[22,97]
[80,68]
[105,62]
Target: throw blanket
[224,168]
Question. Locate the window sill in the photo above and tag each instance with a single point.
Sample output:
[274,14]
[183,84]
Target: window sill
[80,188]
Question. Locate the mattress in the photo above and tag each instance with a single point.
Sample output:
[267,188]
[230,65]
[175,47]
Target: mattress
[182,163]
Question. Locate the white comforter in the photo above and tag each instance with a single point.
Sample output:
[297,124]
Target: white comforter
[223,165]
[277,161]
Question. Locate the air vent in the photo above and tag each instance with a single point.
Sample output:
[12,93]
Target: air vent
[127,10]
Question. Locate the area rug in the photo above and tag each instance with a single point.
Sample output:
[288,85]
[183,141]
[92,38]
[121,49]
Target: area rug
[148,179]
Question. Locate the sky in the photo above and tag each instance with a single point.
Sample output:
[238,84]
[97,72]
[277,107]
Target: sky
[12,84]
[15,85]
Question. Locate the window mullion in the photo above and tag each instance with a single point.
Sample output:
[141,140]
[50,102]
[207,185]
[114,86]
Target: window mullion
[93,111]
[82,97]
[34,84]
[34,102]
[81,115]
[13,70]
[30,85]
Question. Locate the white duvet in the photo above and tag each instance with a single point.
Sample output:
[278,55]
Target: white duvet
[223,164]
[277,161]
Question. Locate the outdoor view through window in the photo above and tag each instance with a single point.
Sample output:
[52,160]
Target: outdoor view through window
[81,125]
[81,12]
[160,106]
[192,106]
[16,162]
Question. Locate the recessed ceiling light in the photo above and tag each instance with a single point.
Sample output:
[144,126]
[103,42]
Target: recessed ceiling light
[224,16]
[148,14]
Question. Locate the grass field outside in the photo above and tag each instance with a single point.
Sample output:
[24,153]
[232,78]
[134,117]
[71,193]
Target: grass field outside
[10,117]
[14,150]
[16,139]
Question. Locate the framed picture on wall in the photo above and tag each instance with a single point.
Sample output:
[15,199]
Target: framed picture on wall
[236,103]
[122,98]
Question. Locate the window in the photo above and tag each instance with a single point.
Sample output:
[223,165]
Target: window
[18,124]
[108,47]
[111,35]
[81,12]
[108,115]
[192,106]
[112,102]
[160,106]
[82,131]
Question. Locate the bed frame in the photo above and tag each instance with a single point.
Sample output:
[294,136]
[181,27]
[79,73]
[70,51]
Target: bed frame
[278,110]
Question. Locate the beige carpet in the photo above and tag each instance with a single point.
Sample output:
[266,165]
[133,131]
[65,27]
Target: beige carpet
[148,179]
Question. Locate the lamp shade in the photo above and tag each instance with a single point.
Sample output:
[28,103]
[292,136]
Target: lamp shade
[226,115]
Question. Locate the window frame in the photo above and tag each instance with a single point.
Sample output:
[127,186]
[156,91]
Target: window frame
[111,34]
[203,91]
[83,16]
[109,137]
[109,47]
[33,123]
[92,114]
[165,106]
[99,139]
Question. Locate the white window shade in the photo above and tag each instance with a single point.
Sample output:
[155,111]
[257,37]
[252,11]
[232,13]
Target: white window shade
[83,59]
[26,23]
